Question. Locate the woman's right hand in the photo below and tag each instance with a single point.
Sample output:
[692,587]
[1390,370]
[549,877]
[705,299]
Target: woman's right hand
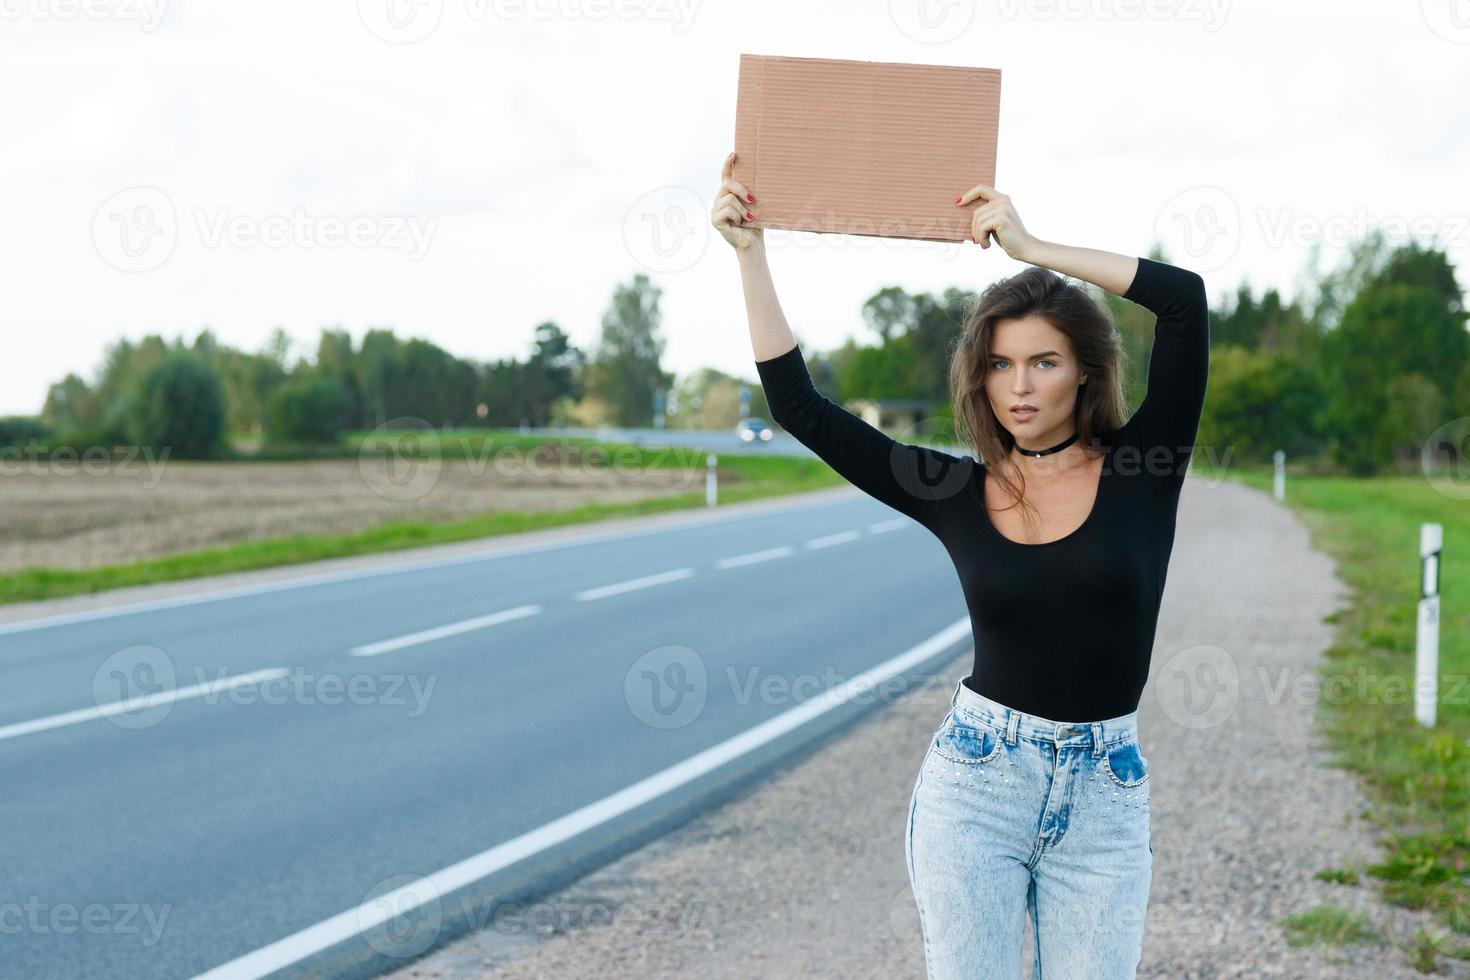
[730,211]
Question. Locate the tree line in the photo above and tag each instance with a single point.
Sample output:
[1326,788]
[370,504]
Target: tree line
[1363,364]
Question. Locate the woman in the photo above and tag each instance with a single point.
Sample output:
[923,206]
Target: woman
[1033,799]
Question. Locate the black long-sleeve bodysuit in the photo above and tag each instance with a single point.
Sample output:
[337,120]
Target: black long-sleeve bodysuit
[1063,629]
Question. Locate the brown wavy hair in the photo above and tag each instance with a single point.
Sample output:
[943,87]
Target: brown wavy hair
[1066,304]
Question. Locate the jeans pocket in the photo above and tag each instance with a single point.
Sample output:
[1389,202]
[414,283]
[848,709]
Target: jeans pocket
[967,743]
[1125,764]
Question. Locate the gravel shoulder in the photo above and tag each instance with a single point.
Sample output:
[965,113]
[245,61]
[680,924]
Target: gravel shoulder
[804,874]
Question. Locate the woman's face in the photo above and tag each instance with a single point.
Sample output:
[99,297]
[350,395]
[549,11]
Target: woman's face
[1031,362]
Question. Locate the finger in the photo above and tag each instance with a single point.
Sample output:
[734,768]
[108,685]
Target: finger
[983,191]
[729,166]
[730,214]
[982,232]
[732,201]
[984,213]
[738,189]
[979,221]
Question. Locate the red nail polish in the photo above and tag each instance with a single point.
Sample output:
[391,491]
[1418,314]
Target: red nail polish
[959,199]
[749,215]
[750,198]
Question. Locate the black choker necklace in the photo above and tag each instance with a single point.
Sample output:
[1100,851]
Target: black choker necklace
[1047,452]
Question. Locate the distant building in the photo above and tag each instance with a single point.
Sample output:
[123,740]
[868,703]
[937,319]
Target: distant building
[895,416]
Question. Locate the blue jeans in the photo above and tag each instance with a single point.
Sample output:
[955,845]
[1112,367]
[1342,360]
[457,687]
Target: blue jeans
[1014,814]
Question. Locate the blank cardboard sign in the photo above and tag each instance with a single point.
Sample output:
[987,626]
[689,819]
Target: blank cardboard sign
[864,147]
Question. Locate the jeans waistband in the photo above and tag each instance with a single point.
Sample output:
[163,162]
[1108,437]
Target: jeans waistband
[1018,724]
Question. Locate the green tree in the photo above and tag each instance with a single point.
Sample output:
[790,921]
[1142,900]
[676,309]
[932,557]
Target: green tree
[311,409]
[178,405]
[624,371]
[1258,402]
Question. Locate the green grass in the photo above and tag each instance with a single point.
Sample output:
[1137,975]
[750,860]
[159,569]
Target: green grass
[740,478]
[1330,924]
[1417,780]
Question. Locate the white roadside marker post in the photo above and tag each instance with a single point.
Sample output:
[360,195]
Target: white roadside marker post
[1280,482]
[1426,650]
[709,480]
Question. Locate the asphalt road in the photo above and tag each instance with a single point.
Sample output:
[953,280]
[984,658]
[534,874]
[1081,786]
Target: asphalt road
[324,776]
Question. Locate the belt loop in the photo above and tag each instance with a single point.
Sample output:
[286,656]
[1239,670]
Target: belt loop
[1097,739]
[954,699]
[1012,724]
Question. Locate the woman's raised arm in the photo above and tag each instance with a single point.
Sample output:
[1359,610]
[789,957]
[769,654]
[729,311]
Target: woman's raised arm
[914,480]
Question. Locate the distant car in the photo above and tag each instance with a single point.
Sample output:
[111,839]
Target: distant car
[751,429]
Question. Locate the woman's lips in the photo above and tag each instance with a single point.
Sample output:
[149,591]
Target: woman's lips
[1022,416]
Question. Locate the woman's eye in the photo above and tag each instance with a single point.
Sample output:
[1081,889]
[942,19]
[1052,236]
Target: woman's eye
[1046,362]
[994,363]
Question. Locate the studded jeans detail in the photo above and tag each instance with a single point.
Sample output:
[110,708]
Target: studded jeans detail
[1014,816]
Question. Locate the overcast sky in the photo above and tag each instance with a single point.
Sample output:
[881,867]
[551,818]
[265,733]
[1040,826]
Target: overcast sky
[167,166]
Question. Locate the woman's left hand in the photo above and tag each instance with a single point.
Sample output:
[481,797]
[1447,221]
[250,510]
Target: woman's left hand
[998,217]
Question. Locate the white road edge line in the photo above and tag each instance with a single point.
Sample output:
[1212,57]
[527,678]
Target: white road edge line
[450,629]
[345,925]
[617,588]
[132,704]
